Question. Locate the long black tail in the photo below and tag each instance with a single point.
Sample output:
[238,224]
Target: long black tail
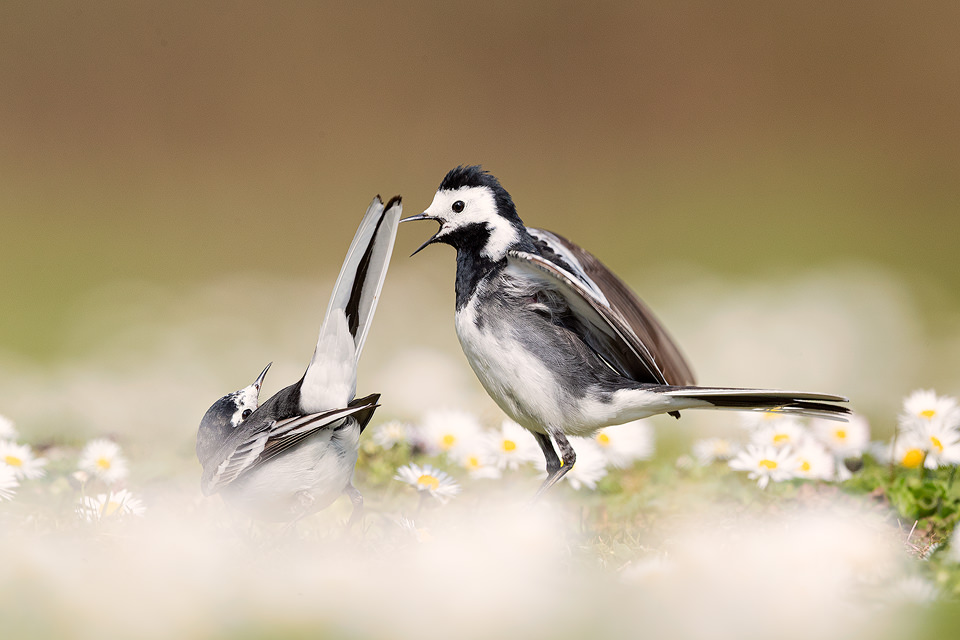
[818,405]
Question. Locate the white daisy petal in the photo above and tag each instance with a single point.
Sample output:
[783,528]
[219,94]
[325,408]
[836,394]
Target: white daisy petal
[20,458]
[110,506]
[444,430]
[7,430]
[511,446]
[844,439]
[102,458]
[8,483]
[924,406]
[429,480]
[624,444]
[390,434]
[765,463]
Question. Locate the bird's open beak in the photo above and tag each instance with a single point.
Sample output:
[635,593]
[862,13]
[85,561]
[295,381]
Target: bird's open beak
[259,380]
[433,238]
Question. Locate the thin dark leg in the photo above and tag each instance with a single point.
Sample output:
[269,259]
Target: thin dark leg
[555,470]
[357,499]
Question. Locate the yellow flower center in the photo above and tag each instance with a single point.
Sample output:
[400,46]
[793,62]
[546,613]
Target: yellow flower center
[936,444]
[426,481]
[448,441]
[780,439]
[509,445]
[13,461]
[912,459]
[473,462]
[103,463]
[840,434]
[603,440]
[805,466]
[111,508]
[928,413]
[769,464]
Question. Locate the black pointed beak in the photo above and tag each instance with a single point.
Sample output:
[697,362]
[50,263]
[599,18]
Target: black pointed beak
[432,239]
[259,381]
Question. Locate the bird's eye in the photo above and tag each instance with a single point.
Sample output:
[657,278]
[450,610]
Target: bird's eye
[246,414]
[458,206]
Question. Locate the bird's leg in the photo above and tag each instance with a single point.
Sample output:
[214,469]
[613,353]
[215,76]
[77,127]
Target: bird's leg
[357,499]
[556,467]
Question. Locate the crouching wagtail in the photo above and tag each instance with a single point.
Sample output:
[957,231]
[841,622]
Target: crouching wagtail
[557,340]
[294,454]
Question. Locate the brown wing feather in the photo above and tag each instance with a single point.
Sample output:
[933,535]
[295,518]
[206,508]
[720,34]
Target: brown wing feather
[637,315]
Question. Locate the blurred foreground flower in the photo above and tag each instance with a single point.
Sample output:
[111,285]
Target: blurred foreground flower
[429,480]
[7,432]
[110,505]
[8,483]
[20,458]
[102,458]
[765,463]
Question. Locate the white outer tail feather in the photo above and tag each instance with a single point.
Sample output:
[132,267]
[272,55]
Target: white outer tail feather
[331,378]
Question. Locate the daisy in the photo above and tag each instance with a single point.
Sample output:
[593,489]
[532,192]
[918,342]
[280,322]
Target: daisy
[102,458]
[7,432]
[843,439]
[765,463]
[813,462]
[624,444]
[511,446]
[942,444]
[909,450]
[924,406]
[110,505]
[442,431]
[709,450]
[785,431]
[8,482]
[390,434]
[20,458]
[428,480]
[590,466]
[476,458]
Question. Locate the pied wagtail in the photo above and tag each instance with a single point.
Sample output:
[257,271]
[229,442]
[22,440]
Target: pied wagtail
[560,343]
[295,454]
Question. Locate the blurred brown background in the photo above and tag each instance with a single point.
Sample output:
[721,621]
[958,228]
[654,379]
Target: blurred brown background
[174,143]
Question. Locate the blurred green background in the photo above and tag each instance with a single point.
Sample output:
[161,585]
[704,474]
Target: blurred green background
[150,148]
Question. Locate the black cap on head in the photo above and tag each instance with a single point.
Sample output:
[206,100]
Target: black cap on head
[475,176]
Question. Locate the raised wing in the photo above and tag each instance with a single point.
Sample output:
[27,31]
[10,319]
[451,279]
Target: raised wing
[647,336]
[248,448]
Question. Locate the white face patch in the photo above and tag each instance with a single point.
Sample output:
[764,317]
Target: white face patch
[479,207]
[246,399]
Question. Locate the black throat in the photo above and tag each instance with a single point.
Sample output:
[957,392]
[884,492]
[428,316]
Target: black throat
[472,265]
